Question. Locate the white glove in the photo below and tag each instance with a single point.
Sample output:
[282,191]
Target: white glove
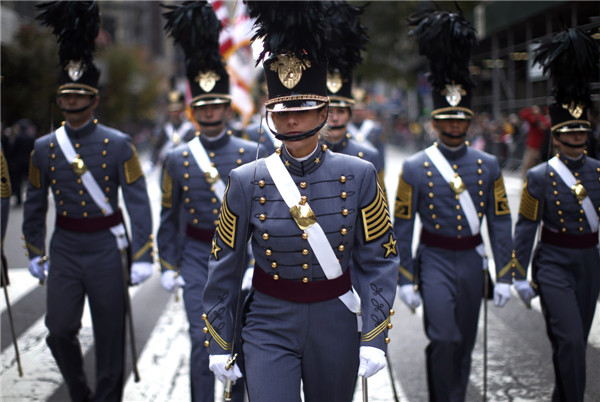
[526,292]
[217,363]
[37,269]
[371,361]
[501,294]
[170,279]
[247,280]
[409,296]
[140,271]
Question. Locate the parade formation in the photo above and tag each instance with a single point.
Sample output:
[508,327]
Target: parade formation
[291,258]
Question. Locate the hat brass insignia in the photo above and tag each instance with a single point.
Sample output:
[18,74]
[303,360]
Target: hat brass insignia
[575,110]
[289,69]
[75,69]
[79,166]
[207,80]
[334,82]
[457,185]
[453,94]
[579,191]
[303,215]
[212,175]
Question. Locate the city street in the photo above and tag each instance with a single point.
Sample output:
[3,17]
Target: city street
[519,363]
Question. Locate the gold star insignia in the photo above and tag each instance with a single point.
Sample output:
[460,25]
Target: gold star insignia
[317,160]
[215,248]
[390,247]
[287,163]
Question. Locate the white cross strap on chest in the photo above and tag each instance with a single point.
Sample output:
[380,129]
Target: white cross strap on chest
[92,187]
[568,178]
[204,163]
[316,237]
[361,134]
[466,202]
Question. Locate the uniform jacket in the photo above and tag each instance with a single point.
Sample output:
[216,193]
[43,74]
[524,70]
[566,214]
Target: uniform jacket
[259,132]
[112,160]
[187,197]
[350,207]
[423,190]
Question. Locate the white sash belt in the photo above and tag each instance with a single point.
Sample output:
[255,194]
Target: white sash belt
[568,178]
[316,237]
[466,202]
[92,187]
[204,163]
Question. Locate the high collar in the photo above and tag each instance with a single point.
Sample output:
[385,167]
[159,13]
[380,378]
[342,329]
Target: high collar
[452,153]
[217,143]
[338,146]
[572,164]
[306,166]
[83,131]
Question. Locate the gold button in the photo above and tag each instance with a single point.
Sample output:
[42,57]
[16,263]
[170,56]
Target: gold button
[458,217]
[482,204]
[263,200]
[430,195]
[458,207]
[479,214]
[459,227]
[51,145]
[85,214]
[104,166]
[261,183]
[104,153]
[580,229]
[215,211]
[213,200]
[430,184]
[83,203]
[434,216]
[564,229]
[103,210]
[429,174]
[559,212]
[212,154]
[392,312]
[192,210]
[480,193]
[268,251]
[431,206]
[57,192]
[52,168]
[324,147]
[344,195]
[64,213]
[212,164]
[265,236]
[185,188]
[580,219]
[106,178]
[551,174]
[206,343]
[437,226]
[304,279]
[241,150]
[387,340]
[479,161]
[341,247]
[215,223]
[185,153]
[390,325]
[304,251]
[205,330]
[562,220]
[186,176]
[305,266]
[273,264]
[480,182]
[239,161]
[455,166]
[263,217]
[557,202]
[53,156]
[426,164]
[80,192]
[107,189]
[276,277]
[303,200]
[554,183]
[186,164]
[342,179]
[344,231]
[305,235]
[195,221]
[344,212]
[361,154]
[581,211]
[187,200]
[302,184]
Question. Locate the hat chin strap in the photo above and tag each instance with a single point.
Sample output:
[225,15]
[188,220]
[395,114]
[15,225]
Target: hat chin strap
[339,127]
[299,136]
[78,110]
[566,144]
[210,124]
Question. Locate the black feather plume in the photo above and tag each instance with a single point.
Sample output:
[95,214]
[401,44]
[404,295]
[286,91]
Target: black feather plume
[195,27]
[290,27]
[346,36]
[570,58]
[76,25]
[446,39]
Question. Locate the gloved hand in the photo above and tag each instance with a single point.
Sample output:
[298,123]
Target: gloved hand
[217,363]
[409,296]
[38,268]
[247,279]
[140,271]
[169,279]
[371,361]
[526,292]
[501,294]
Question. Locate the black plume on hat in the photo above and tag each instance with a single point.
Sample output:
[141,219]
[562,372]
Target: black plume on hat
[76,25]
[194,26]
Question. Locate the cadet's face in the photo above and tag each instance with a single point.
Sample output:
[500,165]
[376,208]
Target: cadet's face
[577,138]
[212,114]
[296,123]
[75,102]
[338,116]
[452,126]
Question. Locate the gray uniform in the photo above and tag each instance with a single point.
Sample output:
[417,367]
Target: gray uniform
[84,258]
[447,266]
[259,132]
[566,264]
[370,131]
[295,327]
[190,210]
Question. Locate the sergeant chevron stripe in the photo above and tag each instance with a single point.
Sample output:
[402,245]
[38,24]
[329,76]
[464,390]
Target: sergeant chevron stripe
[227,223]
[375,216]
[529,204]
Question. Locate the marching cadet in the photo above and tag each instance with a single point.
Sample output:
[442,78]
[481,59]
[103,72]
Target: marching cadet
[348,38]
[193,180]
[563,197]
[84,164]
[452,187]
[363,128]
[307,211]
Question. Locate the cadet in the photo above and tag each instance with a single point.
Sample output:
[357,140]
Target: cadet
[84,164]
[347,40]
[307,211]
[452,187]
[193,182]
[563,195]
[363,128]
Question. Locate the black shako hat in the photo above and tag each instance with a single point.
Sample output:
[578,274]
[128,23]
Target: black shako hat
[446,40]
[76,25]
[570,58]
[195,27]
[293,34]
[347,37]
